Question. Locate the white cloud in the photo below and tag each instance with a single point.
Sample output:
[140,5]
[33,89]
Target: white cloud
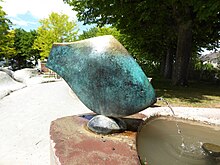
[26,13]
[38,8]
[21,22]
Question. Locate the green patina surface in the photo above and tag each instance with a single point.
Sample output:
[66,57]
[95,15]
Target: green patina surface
[103,75]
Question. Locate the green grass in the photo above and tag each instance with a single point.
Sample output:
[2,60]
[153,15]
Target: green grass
[202,94]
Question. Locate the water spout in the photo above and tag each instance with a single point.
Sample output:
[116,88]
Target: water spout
[177,125]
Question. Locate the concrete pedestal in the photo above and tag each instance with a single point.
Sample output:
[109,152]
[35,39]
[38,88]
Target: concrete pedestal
[73,144]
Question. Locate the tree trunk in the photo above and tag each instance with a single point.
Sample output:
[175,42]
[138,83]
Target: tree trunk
[168,65]
[184,48]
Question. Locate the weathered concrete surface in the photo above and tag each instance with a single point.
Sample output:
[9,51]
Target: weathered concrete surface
[73,144]
[12,81]
[8,84]
[25,117]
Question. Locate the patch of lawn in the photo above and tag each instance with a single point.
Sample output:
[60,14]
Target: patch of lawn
[198,94]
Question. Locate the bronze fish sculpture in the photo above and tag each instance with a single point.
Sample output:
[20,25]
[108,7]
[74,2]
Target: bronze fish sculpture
[103,75]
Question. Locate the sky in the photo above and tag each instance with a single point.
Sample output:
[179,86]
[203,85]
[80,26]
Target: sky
[25,14]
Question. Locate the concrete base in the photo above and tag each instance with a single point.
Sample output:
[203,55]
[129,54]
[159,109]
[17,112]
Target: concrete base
[72,143]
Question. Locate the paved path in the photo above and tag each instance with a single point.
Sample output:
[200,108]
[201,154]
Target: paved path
[25,117]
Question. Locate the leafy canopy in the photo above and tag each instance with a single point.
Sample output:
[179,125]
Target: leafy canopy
[157,27]
[25,55]
[100,31]
[55,28]
[154,23]
[7,49]
[6,36]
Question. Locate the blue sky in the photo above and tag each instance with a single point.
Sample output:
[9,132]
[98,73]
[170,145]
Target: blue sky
[26,14]
[25,21]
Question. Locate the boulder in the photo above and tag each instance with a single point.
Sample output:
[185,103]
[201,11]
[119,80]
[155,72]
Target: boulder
[8,85]
[24,74]
[8,71]
[105,125]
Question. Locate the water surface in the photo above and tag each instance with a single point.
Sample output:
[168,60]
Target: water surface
[159,143]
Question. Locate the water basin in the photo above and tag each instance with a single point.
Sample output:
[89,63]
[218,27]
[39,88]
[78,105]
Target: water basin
[159,142]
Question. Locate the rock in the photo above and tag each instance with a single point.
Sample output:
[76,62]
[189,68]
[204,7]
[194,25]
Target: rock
[39,80]
[8,85]
[211,149]
[105,125]
[8,71]
[4,93]
[24,74]
[103,75]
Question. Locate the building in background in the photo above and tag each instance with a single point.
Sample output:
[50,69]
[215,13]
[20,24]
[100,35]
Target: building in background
[212,58]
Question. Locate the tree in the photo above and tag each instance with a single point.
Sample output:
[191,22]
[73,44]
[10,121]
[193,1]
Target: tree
[7,37]
[100,31]
[144,35]
[4,23]
[161,28]
[7,49]
[25,55]
[56,28]
[89,33]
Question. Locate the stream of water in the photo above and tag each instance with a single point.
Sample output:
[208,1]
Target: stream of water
[177,125]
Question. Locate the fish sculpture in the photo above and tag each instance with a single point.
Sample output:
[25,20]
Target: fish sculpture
[104,76]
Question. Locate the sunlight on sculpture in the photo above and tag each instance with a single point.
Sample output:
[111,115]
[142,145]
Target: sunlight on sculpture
[104,76]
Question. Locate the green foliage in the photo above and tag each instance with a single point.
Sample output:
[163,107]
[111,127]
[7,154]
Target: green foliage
[7,49]
[206,72]
[56,28]
[4,23]
[6,37]
[100,31]
[154,27]
[201,66]
[25,55]
[137,19]
[89,34]
[218,63]
[16,45]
